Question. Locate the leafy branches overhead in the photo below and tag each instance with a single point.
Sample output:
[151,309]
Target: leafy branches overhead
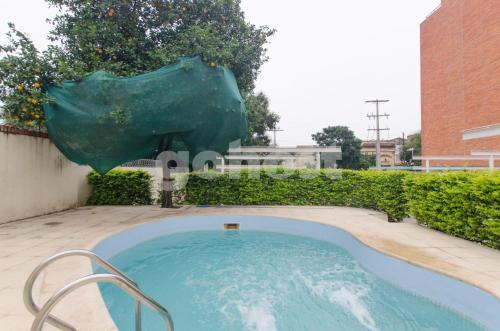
[126,38]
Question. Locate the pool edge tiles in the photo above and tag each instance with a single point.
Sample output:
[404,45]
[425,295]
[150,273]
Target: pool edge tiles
[465,299]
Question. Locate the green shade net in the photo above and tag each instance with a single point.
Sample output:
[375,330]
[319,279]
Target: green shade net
[105,121]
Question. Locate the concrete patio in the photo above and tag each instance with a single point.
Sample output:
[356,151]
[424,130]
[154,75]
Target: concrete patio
[26,243]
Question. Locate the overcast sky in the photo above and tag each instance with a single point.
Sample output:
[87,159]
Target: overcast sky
[326,59]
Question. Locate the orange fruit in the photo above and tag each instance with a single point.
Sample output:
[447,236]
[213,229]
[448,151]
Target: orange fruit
[20,88]
[111,12]
[37,85]
[213,64]
[24,110]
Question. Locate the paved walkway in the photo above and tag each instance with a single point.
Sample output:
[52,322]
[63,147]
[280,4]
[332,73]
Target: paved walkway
[25,243]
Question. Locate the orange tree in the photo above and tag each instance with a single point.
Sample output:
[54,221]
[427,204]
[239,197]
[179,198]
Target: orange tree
[22,71]
[126,38]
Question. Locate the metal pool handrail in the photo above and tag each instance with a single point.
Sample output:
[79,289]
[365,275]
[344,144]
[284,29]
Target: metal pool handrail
[28,287]
[58,323]
[119,281]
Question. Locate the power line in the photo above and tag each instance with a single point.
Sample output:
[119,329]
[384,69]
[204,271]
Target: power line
[377,117]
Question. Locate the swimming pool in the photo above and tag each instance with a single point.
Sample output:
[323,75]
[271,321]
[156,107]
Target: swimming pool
[282,275]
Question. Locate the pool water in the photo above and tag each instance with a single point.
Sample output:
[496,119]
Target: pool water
[264,281]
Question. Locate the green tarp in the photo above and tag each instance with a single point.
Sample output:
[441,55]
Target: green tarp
[105,121]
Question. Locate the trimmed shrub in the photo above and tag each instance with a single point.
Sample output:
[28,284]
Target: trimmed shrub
[120,187]
[463,204]
[378,190]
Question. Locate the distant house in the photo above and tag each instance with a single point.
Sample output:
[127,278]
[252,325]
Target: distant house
[390,151]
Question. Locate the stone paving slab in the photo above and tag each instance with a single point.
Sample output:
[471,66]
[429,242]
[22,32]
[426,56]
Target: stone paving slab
[26,243]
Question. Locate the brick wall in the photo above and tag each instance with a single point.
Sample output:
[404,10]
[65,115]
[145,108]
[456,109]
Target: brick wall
[460,58]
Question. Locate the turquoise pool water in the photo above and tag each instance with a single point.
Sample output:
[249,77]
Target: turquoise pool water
[265,281]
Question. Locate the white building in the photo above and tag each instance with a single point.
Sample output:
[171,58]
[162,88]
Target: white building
[313,157]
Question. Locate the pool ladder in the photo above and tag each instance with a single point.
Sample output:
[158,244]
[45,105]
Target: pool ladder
[115,277]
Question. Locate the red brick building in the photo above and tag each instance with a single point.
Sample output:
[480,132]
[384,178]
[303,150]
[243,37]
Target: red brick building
[460,59]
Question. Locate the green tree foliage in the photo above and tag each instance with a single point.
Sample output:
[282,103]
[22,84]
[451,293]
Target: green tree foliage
[367,161]
[130,37]
[341,136]
[413,142]
[260,119]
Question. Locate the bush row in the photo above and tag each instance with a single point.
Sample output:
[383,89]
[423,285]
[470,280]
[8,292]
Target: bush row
[120,187]
[463,204]
[466,205]
[377,190]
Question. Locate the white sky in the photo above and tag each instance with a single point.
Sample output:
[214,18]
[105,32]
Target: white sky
[326,59]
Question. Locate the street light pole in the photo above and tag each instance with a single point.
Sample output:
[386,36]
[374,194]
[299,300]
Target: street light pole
[411,150]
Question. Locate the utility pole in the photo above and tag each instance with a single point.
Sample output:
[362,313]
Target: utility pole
[377,116]
[274,130]
[403,150]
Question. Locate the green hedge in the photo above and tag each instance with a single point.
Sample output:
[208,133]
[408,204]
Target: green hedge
[120,187]
[465,205]
[376,190]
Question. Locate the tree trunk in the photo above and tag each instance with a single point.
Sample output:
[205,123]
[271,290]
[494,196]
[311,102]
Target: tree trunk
[168,187]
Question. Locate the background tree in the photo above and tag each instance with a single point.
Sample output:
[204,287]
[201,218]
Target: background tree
[260,119]
[345,138]
[130,37]
[412,143]
[367,161]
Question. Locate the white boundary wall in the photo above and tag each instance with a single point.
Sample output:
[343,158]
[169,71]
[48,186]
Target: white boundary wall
[36,179]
